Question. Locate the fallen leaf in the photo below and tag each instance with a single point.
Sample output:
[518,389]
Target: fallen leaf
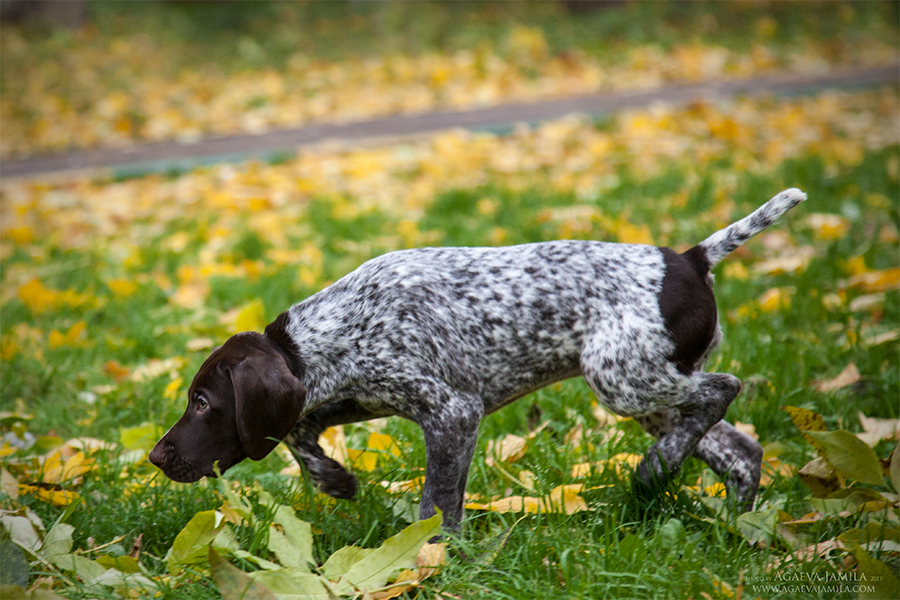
[877,281]
[116,371]
[828,226]
[509,449]
[747,429]
[397,552]
[410,485]
[604,417]
[250,317]
[233,583]
[562,499]
[849,456]
[200,344]
[882,338]
[775,298]
[820,477]
[794,261]
[845,378]
[876,430]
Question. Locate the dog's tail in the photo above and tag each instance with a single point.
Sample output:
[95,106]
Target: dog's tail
[723,242]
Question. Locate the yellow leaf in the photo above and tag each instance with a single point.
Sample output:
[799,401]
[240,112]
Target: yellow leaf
[562,499]
[510,448]
[580,470]
[20,235]
[122,288]
[410,485]
[856,265]
[877,281]
[381,442]
[73,337]
[200,344]
[715,490]
[737,271]
[772,467]
[6,449]
[828,227]
[364,460]
[774,299]
[251,318]
[8,349]
[37,297]
[634,234]
[57,497]
[334,444]
[190,295]
[604,417]
[56,340]
[172,389]
[55,471]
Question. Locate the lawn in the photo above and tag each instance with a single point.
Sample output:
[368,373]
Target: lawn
[115,288]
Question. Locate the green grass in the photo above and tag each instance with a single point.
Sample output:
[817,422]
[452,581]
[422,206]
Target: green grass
[666,546]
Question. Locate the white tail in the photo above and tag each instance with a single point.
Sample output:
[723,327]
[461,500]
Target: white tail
[723,242]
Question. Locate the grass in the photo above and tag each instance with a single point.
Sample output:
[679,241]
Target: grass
[619,548]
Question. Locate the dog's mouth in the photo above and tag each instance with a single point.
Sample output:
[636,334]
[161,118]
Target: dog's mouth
[221,466]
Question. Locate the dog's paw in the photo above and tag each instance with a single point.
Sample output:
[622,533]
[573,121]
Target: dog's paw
[333,479]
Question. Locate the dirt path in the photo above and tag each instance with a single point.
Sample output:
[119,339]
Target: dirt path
[162,156]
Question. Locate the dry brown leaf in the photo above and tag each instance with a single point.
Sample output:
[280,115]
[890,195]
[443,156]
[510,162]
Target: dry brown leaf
[806,554]
[604,417]
[875,430]
[509,449]
[794,260]
[820,477]
[828,226]
[200,344]
[845,378]
[747,429]
[410,485]
[882,338]
[772,467]
[562,499]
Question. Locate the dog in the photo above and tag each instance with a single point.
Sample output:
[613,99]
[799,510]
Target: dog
[445,336]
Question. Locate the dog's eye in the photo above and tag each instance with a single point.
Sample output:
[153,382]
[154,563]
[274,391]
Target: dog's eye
[202,404]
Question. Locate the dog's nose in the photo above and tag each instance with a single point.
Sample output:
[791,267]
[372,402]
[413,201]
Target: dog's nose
[158,455]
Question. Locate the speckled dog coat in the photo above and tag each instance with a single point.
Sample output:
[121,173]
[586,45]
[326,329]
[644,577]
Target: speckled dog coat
[444,336]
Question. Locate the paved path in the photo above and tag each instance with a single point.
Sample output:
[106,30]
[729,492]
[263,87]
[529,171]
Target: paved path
[162,156]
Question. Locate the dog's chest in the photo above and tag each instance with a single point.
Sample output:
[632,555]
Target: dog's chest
[498,322]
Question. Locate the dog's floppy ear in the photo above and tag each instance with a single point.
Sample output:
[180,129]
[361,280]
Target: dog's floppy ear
[268,401]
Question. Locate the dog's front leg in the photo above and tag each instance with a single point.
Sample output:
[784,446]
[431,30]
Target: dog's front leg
[303,441]
[450,437]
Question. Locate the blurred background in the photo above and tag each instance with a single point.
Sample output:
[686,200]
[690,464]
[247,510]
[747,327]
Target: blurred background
[79,74]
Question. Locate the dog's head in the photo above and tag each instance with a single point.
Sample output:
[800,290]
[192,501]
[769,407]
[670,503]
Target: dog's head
[242,402]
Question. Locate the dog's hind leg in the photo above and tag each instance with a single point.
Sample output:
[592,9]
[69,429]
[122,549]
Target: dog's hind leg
[303,441]
[700,411]
[731,454]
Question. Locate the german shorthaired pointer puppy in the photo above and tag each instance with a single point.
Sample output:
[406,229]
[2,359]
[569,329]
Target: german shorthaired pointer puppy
[444,336]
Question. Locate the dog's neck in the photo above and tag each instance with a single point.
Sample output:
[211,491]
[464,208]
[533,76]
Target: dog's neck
[276,332]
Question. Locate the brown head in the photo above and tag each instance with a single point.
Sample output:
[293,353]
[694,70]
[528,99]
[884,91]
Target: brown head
[242,402]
